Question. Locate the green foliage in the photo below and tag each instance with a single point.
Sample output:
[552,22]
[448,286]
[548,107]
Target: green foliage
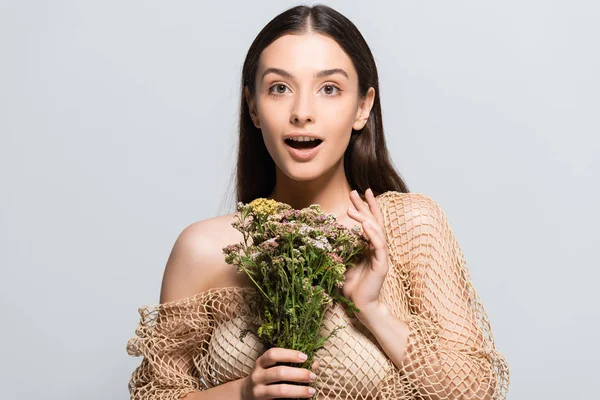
[297,260]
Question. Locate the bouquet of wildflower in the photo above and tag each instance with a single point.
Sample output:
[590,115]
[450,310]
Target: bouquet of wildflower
[297,260]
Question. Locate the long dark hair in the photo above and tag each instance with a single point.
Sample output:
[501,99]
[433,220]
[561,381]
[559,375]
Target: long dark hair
[366,161]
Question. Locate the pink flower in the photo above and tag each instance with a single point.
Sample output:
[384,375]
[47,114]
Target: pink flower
[335,257]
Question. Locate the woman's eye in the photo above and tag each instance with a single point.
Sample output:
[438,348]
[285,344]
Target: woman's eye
[276,87]
[331,87]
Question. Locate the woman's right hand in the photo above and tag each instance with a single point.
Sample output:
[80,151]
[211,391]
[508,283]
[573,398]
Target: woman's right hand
[259,384]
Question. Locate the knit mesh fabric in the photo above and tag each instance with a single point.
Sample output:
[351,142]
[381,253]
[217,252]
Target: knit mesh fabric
[194,344]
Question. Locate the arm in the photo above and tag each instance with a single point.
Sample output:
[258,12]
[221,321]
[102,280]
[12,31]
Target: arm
[226,391]
[444,347]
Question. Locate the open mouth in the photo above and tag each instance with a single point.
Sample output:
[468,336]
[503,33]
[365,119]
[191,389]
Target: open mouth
[309,144]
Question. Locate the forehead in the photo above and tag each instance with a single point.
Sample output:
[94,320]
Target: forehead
[303,54]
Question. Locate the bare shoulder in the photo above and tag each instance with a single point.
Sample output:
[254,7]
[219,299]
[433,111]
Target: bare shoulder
[197,262]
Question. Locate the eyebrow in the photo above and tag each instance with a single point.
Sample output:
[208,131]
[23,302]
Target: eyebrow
[320,74]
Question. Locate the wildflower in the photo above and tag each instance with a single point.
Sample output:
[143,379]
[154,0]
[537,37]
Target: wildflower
[263,207]
[297,260]
[306,229]
[320,243]
[255,253]
[340,269]
[335,257]
[269,245]
[305,284]
[327,299]
[232,248]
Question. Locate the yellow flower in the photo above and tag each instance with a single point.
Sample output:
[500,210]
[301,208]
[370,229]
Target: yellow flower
[263,207]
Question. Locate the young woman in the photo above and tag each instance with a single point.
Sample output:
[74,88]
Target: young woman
[311,132]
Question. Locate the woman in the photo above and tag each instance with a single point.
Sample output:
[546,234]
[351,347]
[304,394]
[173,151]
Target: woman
[311,132]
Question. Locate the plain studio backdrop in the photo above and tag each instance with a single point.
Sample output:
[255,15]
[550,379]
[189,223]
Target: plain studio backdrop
[118,129]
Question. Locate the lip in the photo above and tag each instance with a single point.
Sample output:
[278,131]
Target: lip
[303,154]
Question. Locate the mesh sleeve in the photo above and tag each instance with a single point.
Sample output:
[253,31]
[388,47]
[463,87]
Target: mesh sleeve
[450,352]
[173,338]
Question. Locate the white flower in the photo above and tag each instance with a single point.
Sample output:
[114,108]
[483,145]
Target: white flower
[320,243]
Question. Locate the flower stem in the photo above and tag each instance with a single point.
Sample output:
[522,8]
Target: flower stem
[256,284]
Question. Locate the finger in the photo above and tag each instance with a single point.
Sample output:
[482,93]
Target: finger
[352,213]
[286,391]
[355,214]
[288,374]
[379,243]
[376,228]
[359,204]
[373,206]
[374,234]
[278,354]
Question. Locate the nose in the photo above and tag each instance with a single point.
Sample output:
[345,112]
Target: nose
[303,109]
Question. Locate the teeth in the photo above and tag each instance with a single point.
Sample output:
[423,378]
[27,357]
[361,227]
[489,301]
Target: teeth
[302,139]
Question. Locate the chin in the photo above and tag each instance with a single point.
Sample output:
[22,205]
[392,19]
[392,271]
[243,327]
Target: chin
[299,172]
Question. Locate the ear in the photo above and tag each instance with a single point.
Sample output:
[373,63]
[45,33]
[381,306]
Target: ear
[362,114]
[252,107]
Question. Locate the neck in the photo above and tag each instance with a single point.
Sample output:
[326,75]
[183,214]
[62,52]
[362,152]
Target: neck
[330,190]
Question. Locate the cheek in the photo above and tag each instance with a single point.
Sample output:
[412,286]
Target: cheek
[343,110]
[273,115]
[272,123]
[338,120]
[270,128]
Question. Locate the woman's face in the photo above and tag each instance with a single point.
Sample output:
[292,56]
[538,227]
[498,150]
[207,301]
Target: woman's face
[292,98]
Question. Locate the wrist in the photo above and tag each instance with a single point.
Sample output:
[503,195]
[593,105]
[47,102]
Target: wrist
[375,312]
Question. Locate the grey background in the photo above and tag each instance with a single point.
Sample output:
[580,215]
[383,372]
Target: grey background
[118,130]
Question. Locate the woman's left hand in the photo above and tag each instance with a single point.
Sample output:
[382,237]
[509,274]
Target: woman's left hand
[364,280]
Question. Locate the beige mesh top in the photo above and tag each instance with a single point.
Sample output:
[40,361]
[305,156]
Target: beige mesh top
[193,344]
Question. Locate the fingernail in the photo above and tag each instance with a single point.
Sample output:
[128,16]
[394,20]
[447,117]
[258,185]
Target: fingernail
[302,356]
[313,376]
[312,390]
